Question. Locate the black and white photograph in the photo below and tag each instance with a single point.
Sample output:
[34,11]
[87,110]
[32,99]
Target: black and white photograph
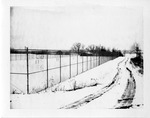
[78,58]
[74,57]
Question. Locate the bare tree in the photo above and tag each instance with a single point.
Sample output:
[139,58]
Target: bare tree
[98,49]
[82,50]
[138,60]
[91,48]
[77,47]
[136,48]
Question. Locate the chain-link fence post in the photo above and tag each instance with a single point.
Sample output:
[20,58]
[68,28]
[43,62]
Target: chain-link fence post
[77,64]
[96,59]
[47,67]
[27,70]
[82,63]
[60,67]
[87,61]
[70,65]
[90,62]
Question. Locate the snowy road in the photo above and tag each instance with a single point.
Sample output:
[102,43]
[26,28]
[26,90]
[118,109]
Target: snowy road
[93,96]
[127,96]
[112,85]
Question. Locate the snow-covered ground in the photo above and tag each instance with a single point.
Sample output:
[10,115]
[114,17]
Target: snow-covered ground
[37,63]
[115,84]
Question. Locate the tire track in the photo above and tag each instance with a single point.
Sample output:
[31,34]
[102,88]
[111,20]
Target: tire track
[99,93]
[129,93]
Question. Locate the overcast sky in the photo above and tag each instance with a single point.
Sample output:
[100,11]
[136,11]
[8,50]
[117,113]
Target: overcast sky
[60,27]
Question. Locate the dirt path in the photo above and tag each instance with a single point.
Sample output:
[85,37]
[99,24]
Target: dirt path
[99,93]
[129,93]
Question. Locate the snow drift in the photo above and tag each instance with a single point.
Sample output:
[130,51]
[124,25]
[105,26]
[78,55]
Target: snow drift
[100,75]
[106,86]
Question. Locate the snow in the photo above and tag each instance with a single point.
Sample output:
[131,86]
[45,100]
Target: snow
[138,99]
[99,75]
[38,81]
[91,82]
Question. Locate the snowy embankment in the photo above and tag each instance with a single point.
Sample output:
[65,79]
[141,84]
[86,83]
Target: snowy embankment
[101,75]
[106,86]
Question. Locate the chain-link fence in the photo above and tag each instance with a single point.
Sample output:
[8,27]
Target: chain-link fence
[31,73]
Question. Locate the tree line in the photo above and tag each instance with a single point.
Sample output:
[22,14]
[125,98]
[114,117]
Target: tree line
[77,48]
[94,50]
